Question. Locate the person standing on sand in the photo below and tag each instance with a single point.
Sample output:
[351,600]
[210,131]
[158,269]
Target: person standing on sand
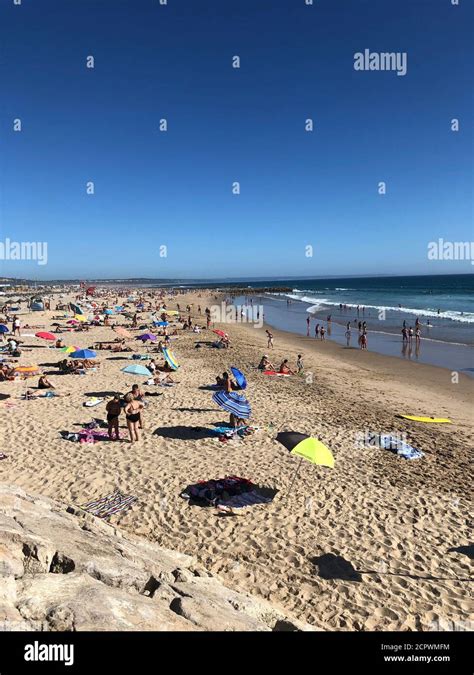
[113,409]
[323,333]
[133,409]
[16,325]
[138,395]
[316,331]
[270,339]
[308,321]
[348,336]
[299,364]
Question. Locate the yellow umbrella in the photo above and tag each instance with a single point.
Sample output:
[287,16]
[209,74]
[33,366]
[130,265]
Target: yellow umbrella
[314,451]
[305,447]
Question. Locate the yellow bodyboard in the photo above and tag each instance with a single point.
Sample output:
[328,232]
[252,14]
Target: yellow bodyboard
[435,420]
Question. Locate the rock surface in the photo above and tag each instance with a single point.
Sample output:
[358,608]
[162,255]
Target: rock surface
[62,569]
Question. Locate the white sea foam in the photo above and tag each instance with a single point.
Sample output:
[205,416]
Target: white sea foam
[467,317]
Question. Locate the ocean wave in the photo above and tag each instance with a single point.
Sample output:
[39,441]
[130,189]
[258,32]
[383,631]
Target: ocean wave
[467,317]
[306,290]
[314,308]
[450,315]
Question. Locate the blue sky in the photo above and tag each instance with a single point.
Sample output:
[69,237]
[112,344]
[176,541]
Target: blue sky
[226,125]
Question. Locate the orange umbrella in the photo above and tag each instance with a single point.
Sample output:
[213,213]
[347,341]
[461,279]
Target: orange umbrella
[27,371]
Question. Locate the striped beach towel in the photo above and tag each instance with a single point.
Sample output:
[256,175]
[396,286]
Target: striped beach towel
[110,504]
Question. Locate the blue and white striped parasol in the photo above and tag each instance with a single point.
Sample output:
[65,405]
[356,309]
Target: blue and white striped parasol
[233,403]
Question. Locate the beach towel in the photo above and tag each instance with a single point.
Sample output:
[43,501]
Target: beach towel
[110,504]
[228,432]
[70,436]
[400,447]
[97,434]
[231,491]
[92,402]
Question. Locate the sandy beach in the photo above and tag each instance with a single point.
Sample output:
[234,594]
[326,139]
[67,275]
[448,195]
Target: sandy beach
[377,543]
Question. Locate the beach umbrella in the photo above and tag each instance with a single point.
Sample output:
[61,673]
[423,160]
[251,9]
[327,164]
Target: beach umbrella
[75,308]
[45,336]
[220,333]
[108,311]
[83,354]
[3,328]
[27,371]
[68,350]
[160,323]
[123,332]
[305,447]
[239,377]
[170,358]
[136,370]
[233,403]
[147,336]
[80,317]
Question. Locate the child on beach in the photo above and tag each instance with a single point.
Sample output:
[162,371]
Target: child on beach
[299,364]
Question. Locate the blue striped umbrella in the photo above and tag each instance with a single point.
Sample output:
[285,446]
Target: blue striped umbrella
[233,403]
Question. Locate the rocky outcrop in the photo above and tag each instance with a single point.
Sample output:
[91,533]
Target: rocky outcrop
[62,569]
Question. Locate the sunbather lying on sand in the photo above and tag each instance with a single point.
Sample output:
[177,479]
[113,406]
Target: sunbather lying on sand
[163,378]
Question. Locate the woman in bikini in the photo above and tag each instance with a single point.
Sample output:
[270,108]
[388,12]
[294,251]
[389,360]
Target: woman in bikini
[133,409]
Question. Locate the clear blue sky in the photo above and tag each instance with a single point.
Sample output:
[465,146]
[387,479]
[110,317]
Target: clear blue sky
[228,125]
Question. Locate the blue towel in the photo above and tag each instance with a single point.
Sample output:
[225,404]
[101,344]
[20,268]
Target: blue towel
[400,447]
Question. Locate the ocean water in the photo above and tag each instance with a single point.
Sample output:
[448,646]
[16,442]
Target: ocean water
[444,306]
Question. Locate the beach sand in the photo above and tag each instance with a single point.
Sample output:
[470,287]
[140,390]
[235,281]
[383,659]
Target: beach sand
[368,545]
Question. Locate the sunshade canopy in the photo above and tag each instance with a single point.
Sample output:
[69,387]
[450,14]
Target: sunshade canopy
[233,403]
